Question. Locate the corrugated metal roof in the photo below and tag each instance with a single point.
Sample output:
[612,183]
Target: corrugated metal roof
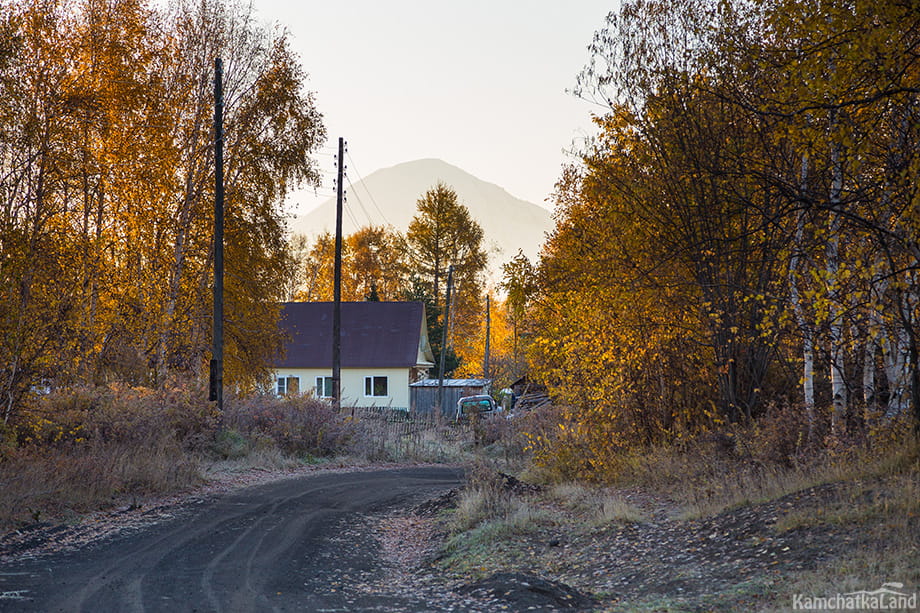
[452,383]
[374,334]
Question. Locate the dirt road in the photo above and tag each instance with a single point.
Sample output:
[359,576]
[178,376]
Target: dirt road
[276,547]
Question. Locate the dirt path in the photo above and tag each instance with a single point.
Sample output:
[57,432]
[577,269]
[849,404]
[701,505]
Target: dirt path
[284,546]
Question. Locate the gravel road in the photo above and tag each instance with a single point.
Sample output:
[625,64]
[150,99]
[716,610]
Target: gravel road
[283,546]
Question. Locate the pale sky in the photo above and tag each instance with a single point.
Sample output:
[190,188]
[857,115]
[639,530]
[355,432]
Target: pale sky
[480,84]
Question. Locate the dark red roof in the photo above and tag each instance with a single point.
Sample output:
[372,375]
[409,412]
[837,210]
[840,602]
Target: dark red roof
[374,334]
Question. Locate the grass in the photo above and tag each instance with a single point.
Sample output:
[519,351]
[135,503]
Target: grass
[89,449]
[746,596]
[858,504]
[866,568]
[598,506]
[39,486]
[479,543]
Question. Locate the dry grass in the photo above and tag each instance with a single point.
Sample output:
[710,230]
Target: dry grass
[894,499]
[614,509]
[855,506]
[482,499]
[488,516]
[598,506]
[37,486]
[88,449]
[711,473]
[883,524]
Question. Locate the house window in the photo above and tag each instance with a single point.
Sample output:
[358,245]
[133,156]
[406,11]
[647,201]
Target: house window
[288,385]
[375,386]
[323,387]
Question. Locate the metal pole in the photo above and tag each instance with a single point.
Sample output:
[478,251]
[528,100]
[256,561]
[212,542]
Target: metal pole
[217,355]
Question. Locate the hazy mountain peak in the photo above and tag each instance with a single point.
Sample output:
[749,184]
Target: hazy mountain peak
[388,197]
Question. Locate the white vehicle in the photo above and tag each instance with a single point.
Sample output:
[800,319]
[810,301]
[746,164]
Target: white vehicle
[476,407]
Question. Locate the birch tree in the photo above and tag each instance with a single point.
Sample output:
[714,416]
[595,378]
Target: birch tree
[106,184]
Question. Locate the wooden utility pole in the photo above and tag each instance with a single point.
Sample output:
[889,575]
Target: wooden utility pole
[337,282]
[444,338]
[485,361]
[217,354]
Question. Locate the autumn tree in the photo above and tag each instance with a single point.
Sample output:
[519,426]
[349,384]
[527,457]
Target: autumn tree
[504,365]
[418,291]
[519,281]
[373,264]
[843,83]
[37,295]
[443,234]
[745,211]
[679,156]
[106,180]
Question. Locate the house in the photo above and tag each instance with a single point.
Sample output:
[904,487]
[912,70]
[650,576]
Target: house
[384,349]
[424,394]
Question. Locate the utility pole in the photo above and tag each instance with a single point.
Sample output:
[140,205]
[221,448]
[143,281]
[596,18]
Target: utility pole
[444,338]
[337,282]
[485,362]
[217,354]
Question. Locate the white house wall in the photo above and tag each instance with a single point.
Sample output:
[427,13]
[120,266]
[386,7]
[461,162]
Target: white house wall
[353,385]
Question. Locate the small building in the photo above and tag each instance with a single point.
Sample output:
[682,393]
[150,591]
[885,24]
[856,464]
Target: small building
[384,348]
[424,394]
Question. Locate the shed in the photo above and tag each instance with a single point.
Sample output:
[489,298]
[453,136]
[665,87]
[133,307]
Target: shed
[423,395]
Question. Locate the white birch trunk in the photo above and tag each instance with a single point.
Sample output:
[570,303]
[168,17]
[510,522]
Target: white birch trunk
[806,329]
[838,378]
[868,378]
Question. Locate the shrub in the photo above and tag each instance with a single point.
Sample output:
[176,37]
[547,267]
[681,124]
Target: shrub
[299,425]
[116,414]
[231,445]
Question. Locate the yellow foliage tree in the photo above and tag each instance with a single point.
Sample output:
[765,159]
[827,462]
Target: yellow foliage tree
[106,184]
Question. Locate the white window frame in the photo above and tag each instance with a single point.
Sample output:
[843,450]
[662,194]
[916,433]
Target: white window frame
[369,386]
[320,384]
[282,384]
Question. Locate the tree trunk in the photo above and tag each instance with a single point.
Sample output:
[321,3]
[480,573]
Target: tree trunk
[838,377]
[805,327]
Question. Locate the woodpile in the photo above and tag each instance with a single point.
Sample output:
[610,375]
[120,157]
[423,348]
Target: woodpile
[532,400]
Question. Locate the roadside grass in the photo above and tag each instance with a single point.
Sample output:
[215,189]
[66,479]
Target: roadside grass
[598,506]
[89,449]
[886,555]
[41,485]
[747,596]
[862,494]
[879,506]
[708,474]
[489,524]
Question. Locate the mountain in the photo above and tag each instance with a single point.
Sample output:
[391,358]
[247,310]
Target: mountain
[388,197]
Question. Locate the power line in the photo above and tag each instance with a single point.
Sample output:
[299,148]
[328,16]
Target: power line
[351,215]
[360,203]
[364,184]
